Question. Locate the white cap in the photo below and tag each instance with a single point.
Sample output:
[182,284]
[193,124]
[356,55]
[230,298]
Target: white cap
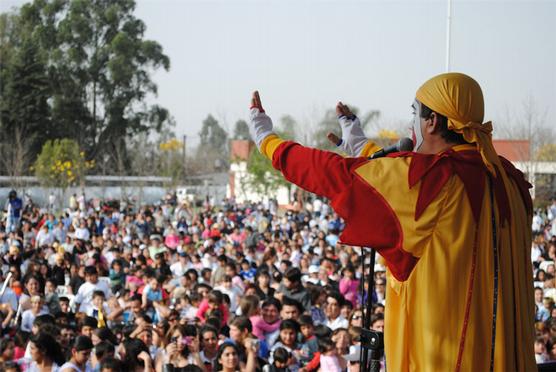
[313,269]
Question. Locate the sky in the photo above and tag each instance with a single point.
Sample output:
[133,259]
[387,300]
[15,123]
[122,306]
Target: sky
[305,56]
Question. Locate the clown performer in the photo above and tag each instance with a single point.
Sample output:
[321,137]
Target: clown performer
[451,219]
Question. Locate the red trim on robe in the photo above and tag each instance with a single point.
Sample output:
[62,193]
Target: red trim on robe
[362,204]
[370,221]
[522,184]
[435,170]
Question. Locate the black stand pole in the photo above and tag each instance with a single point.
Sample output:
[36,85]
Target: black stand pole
[372,342]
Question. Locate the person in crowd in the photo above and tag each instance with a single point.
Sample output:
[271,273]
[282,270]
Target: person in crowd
[263,288]
[332,311]
[209,342]
[349,285]
[80,353]
[293,288]
[136,356]
[287,339]
[213,302]
[329,360]
[28,316]
[182,349]
[33,287]
[84,297]
[46,352]
[227,359]
[241,334]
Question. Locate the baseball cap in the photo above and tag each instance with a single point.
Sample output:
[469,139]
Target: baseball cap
[313,269]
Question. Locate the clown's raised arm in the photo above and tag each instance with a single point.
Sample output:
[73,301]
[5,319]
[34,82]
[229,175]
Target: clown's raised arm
[353,142]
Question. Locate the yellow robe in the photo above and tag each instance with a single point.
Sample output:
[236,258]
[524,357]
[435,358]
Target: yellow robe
[439,300]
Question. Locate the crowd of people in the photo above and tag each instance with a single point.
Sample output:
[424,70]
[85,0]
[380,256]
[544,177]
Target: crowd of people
[168,287]
[172,288]
[543,256]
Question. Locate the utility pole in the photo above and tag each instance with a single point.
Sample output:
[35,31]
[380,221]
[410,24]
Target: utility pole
[184,157]
[184,152]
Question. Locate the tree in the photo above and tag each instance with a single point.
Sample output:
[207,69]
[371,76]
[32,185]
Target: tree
[97,67]
[15,155]
[61,164]
[172,159]
[241,130]
[213,135]
[288,127]
[263,178]
[213,148]
[530,124]
[546,152]
[24,94]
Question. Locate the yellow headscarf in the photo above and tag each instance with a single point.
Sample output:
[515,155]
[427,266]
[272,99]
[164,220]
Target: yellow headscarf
[460,98]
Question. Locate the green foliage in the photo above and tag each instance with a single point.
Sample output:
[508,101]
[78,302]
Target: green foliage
[263,178]
[241,130]
[61,164]
[288,128]
[213,150]
[547,152]
[25,89]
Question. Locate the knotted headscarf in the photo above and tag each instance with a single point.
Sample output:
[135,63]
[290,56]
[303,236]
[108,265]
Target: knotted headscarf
[460,98]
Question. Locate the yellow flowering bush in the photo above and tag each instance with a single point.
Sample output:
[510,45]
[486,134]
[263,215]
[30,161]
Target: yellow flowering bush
[171,145]
[61,164]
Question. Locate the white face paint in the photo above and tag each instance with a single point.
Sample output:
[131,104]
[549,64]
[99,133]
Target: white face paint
[417,135]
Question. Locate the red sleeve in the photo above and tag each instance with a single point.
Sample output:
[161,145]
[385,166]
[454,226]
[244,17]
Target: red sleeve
[314,364]
[370,221]
[203,307]
[321,172]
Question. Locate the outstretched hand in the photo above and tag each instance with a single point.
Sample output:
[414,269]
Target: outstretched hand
[256,101]
[341,110]
[261,124]
[352,139]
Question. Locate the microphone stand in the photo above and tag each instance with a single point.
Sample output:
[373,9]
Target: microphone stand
[372,342]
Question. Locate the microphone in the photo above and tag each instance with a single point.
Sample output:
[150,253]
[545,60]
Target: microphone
[404,144]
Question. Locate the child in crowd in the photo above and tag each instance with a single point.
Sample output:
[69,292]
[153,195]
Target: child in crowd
[329,360]
[287,339]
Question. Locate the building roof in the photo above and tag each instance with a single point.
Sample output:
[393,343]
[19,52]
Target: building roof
[240,149]
[513,150]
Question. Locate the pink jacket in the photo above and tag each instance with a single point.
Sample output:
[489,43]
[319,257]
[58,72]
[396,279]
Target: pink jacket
[349,287]
[260,327]
[203,308]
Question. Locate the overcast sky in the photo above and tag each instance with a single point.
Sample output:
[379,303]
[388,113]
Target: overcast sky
[304,56]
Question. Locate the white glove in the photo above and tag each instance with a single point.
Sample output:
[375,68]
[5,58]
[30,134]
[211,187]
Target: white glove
[260,127]
[353,139]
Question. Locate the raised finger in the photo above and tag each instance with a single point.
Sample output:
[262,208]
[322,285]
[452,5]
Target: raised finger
[339,110]
[346,110]
[256,102]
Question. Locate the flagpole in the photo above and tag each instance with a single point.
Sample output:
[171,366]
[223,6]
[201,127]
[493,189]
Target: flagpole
[448,34]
